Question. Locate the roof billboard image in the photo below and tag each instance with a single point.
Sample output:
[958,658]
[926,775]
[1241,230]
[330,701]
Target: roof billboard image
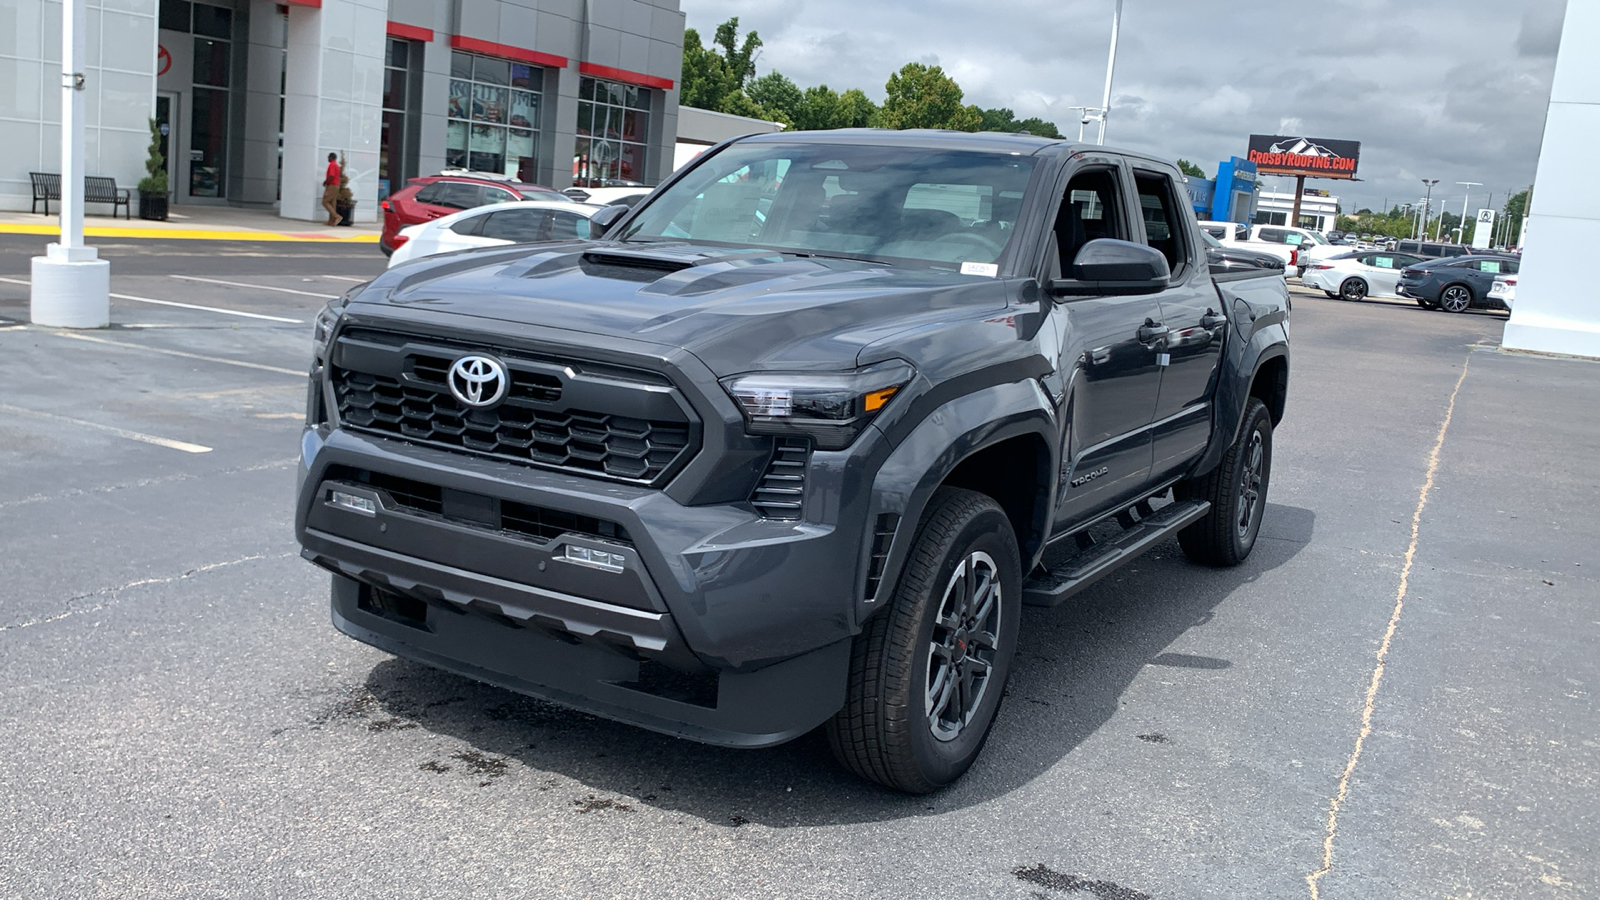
[1277,154]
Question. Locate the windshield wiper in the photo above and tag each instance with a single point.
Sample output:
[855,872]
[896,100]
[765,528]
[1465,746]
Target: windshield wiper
[812,254]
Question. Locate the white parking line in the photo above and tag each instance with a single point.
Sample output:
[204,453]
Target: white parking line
[216,359]
[109,429]
[225,312]
[346,278]
[256,287]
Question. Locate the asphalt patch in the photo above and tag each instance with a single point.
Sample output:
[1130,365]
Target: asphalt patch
[1047,877]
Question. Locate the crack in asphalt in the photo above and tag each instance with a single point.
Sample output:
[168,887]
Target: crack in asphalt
[111,592]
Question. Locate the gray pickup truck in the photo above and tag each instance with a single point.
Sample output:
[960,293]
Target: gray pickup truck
[793,444]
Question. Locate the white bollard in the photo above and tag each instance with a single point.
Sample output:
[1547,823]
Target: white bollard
[71,288]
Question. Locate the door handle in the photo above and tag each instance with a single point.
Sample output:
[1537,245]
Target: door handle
[1212,320]
[1151,331]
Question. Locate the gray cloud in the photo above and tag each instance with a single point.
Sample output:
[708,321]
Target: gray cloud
[1447,89]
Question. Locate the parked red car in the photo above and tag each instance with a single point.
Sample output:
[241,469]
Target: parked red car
[433,196]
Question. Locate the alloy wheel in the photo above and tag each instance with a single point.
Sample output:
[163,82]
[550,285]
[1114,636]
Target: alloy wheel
[1455,298]
[1250,483]
[964,645]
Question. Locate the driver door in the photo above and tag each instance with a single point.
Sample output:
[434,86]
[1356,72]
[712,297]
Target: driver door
[1106,379]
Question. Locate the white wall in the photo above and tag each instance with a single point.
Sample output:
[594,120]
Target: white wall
[1558,302]
[333,103]
[120,86]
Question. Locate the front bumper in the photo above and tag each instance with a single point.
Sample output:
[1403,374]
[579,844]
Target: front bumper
[717,625]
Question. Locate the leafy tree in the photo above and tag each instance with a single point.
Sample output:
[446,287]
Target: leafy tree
[1004,120]
[711,76]
[922,96]
[856,110]
[1038,126]
[777,94]
[1191,170]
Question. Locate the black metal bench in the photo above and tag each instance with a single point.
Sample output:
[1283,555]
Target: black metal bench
[96,189]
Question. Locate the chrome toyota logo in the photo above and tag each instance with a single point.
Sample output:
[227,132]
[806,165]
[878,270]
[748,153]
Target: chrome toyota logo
[478,381]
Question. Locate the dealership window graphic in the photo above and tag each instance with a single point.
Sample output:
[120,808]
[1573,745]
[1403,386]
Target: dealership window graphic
[494,116]
[613,126]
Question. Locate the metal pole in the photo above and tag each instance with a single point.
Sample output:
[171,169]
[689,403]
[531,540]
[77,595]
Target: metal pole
[1427,206]
[74,21]
[1111,67]
[1461,239]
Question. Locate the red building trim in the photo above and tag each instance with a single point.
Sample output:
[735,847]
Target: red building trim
[314,4]
[506,51]
[599,71]
[410,32]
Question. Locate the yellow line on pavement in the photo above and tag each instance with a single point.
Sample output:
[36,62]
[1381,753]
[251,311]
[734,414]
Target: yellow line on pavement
[192,234]
[1337,801]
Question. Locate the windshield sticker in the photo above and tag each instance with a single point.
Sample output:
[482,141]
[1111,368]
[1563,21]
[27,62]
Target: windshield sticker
[987,270]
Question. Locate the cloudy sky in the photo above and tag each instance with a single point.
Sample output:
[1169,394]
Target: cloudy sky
[1448,89]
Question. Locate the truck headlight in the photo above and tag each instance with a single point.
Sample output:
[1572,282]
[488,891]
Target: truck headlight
[328,319]
[831,408]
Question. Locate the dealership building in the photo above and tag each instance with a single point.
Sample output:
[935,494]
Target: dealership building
[252,95]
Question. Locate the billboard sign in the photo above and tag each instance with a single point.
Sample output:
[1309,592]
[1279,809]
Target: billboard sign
[1277,154]
[1483,232]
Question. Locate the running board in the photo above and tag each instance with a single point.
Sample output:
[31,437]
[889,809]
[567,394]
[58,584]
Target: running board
[1097,560]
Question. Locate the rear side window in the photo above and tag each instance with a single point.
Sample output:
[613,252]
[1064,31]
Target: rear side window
[1161,218]
[1217,231]
[566,226]
[431,194]
[469,225]
[1274,236]
[456,195]
[520,226]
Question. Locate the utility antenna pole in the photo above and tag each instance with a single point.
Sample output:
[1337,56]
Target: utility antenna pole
[1111,68]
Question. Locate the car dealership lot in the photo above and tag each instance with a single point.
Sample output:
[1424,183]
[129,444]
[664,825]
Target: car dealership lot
[181,719]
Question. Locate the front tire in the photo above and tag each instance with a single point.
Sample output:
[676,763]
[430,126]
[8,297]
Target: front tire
[1237,491]
[927,674]
[1353,289]
[1456,298]
[1331,295]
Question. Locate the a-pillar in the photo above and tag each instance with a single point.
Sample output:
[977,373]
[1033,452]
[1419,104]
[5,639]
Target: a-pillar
[1557,309]
[333,102]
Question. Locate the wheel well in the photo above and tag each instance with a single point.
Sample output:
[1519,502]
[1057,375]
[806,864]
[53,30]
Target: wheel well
[1015,474]
[1271,386]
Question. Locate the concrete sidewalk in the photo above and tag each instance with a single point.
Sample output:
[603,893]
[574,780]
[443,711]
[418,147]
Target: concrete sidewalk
[216,223]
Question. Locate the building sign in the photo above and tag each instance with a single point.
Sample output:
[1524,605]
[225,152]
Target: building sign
[1200,192]
[1276,154]
[1483,232]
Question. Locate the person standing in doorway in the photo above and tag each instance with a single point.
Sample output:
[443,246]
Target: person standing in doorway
[330,190]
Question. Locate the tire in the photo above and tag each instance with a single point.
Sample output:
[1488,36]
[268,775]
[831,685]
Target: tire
[1353,289]
[893,729]
[1331,295]
[1425,304]
[1456,298]
[1237,490]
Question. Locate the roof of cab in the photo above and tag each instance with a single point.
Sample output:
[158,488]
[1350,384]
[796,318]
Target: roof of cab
[991,141]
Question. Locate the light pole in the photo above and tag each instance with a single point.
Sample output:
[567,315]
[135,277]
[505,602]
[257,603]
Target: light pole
[1111,67]
[1427,205]
[1464,198]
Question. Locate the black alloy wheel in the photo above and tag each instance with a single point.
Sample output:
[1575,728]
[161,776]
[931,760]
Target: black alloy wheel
[1237,491]
[1353,289]
[1456,298]
[928,672]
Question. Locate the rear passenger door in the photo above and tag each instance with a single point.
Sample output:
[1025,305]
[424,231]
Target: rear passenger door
[1195,323]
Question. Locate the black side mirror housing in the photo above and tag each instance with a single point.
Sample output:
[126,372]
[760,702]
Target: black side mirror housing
[601,222]
[1106,267]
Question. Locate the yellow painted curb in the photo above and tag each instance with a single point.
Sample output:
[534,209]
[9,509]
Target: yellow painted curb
[192,234]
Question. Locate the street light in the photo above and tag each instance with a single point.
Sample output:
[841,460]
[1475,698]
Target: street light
[1427,204]
[1464,197]
[1111,66]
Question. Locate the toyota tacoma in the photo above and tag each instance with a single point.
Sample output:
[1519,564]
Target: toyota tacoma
[795,440]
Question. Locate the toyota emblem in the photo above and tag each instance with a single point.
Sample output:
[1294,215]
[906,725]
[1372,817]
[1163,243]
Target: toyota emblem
[479,381]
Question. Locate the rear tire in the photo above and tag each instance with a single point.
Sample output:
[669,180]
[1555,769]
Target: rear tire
[1237,491]
[928,672]
[1456,298]
[1331,295]
[1353,289]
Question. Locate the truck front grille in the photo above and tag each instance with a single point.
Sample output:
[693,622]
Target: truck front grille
[555,415]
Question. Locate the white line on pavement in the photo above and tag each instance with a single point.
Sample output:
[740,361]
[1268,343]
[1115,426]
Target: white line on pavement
[109,429]
[225,312]
[256,287]
[202,358]
[346,278]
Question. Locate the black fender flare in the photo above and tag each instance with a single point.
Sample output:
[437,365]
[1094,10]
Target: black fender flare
[934,448]
[1270,341]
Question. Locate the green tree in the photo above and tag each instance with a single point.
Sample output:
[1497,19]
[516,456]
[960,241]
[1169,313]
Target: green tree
[777,94]
[1191,170]
[711,76]
[922,96]
[856,110]
[1038,126]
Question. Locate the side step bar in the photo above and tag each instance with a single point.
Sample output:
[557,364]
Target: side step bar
[1097,560]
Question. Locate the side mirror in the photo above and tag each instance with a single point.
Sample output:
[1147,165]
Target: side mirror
[601,222]
[1108,268]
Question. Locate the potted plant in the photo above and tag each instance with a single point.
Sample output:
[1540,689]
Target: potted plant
[153,186]
[346,202]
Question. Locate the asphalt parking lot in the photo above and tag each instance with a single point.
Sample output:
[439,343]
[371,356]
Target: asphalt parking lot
[1393,698]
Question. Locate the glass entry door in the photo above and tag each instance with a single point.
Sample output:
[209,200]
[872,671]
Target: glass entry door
[167,123]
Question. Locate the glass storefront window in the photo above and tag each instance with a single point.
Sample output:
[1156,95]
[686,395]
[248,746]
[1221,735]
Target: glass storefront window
[613,133]
[396,156]
[208,134]
[211,62]
[501,101]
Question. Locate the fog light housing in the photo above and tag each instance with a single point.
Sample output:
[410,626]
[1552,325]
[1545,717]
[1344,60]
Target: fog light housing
[597,559]
[353,502]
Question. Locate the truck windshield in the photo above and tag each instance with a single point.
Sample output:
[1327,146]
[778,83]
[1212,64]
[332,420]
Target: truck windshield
[896,205]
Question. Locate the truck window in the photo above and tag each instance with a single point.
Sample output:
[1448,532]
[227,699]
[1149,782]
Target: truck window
[1088,212]
[1161,217]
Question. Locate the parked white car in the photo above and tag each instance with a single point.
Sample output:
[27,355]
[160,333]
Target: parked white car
[1356,276]
[1297,247]
[491,226]
[1505,290]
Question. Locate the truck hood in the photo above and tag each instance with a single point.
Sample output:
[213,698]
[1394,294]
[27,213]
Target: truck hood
[737,310]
